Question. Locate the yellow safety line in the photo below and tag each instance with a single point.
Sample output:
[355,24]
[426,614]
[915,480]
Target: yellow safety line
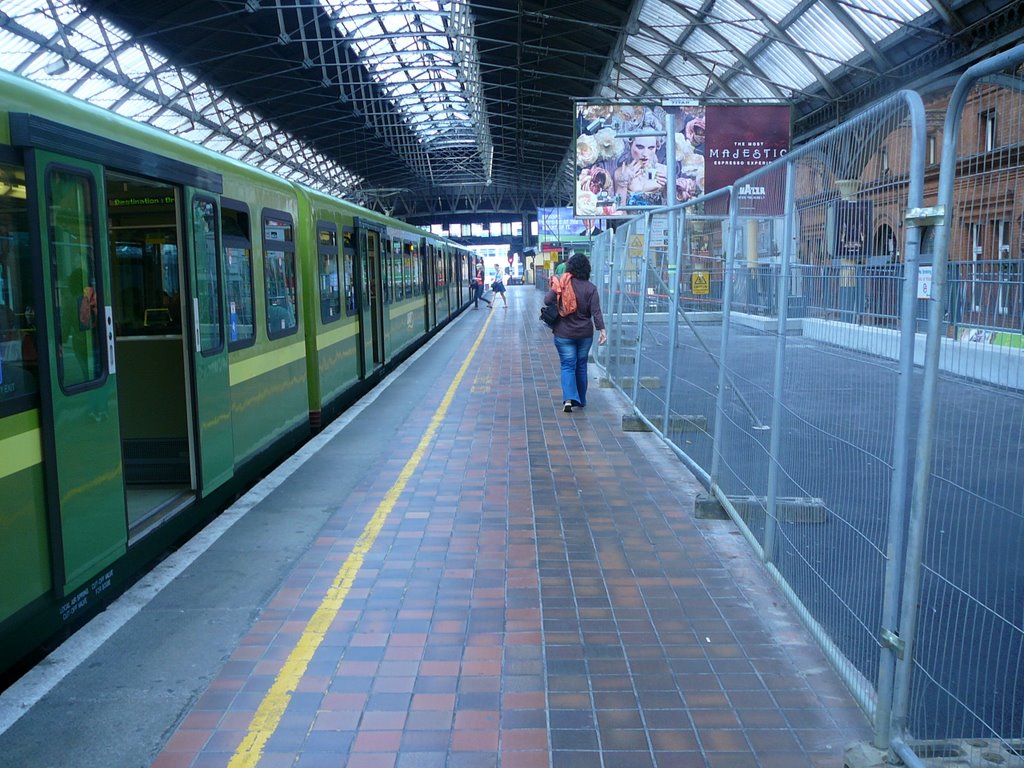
[271,710]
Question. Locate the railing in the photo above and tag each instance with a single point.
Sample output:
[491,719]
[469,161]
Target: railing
[858,417]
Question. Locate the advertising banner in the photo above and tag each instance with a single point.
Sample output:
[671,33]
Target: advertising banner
[559,223]
[621,152]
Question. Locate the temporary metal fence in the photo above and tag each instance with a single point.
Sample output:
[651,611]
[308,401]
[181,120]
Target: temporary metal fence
[960,678]
[840,365]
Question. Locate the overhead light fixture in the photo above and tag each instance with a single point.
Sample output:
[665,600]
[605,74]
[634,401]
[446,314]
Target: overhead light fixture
[57,67]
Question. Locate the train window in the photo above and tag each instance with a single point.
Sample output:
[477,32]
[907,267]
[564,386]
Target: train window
[330,278]
[19,363]
[410,258]
[71,221]
[237,238]
[386,270]
[348,261]
[279,274]
[205,220]
[143,226]
[397,273]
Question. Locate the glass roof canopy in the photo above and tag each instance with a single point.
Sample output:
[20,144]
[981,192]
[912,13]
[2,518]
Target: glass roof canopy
[741,49]
[57,44]
[422,55]
[421,52]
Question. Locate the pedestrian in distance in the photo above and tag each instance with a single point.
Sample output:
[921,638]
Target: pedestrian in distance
[558,271]
[579,308]
[498,286]
[478,286]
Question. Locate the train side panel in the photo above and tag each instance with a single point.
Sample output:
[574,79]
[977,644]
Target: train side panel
[269,397]
[330,302]
[24,546]
[216,310]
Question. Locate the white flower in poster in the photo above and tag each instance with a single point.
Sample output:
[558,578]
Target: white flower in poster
[586,203]
[609,146]
[586,151]
[683,148]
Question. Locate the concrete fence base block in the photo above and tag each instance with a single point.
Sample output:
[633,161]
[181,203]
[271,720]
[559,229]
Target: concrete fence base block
[955,753]
[646,382]
[605,383]
[862,755]
[634,424]
[688,423]
[706,507]
[791,509]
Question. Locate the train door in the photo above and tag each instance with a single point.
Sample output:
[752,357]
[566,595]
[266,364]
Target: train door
[440,284]
[210,347]
[165,297]
[372,310]
[429,284]
[78,389]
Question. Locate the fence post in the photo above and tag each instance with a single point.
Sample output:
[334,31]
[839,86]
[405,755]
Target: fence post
[728,272]
[615,290]
[901,432]
[674,273]
[774,442]
[641,310]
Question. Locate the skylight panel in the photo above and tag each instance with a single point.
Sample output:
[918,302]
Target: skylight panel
[663,16]
[776,10]
[881,18]
[825,38]
[648,46]
[101,92]
[741,30]
[707,47]
[749,87]
[783,67]
[14,49]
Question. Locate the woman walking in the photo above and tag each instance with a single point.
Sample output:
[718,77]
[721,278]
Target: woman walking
[574,331]
[498,286]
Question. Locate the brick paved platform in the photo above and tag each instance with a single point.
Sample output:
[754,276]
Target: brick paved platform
[489,582]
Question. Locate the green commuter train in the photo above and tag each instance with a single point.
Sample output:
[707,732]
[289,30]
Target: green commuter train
[172,324]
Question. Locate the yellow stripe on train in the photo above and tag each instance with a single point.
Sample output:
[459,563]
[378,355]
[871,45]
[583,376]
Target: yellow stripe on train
[250,368]
[20,452]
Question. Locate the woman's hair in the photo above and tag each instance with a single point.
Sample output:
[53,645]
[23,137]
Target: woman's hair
[579,266]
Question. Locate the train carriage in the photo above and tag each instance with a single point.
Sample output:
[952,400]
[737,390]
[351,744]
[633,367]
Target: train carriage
[172,322]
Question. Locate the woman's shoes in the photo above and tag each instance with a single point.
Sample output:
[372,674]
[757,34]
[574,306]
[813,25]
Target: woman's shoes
[567,406]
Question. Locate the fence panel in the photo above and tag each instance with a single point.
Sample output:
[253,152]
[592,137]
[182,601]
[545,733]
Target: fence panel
[693,381]
[788,374]
[961,680]
[820,390]
[825,487]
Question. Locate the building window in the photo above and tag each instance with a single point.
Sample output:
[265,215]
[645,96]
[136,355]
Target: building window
[1008,269]
[988,135]
[977,268]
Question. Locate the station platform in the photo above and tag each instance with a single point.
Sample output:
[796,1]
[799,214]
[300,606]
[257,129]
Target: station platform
[454,574]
